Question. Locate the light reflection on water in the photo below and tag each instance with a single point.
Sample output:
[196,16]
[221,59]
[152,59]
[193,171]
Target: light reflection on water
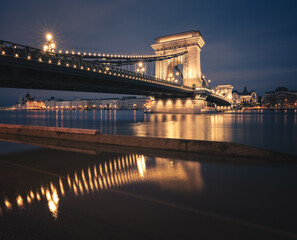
[276,130]
[125,170]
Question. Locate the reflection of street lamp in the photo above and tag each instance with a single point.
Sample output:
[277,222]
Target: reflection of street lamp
[50,44]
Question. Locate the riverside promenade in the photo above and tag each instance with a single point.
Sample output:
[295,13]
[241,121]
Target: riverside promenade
[38,134]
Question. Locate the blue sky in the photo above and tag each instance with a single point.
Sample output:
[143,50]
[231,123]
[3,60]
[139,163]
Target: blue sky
[248,43]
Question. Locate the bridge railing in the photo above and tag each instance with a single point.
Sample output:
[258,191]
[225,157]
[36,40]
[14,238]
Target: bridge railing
[75,62]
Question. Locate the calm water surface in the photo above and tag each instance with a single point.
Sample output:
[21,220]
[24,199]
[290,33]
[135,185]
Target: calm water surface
[52,194]
[276,130]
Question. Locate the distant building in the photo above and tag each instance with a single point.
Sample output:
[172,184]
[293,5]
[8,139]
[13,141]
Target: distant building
[29,102]
[280,98]
[245,98]
[125,103]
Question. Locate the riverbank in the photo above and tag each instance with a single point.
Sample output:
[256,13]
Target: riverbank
[89,136]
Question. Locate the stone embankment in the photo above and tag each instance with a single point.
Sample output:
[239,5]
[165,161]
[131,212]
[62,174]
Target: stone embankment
[190,146]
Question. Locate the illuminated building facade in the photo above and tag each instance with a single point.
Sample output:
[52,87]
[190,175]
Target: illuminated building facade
[245,98]
[280,98]
[127,103]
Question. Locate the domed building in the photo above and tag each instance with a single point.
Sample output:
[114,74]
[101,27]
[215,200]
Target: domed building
[29,103]
[280,98]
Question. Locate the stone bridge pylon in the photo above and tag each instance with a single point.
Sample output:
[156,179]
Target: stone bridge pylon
[186,68]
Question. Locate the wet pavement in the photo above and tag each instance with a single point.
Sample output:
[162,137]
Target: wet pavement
[55,194]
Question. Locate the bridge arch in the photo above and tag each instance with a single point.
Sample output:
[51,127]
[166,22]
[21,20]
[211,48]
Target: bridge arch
[175,71]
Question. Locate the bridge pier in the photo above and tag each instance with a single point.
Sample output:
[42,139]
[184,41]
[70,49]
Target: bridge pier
[177,105]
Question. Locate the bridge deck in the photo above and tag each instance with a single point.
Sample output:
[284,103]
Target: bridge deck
[27,67]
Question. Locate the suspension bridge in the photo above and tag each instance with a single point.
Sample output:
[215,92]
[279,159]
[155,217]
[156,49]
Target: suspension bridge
[172,73]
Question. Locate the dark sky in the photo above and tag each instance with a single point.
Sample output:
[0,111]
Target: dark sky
[248,43]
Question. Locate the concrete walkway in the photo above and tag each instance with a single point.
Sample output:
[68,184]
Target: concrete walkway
[180,145]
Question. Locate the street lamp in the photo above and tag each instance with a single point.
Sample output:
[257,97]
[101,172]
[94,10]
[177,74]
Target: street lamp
[50,44]
[140,68]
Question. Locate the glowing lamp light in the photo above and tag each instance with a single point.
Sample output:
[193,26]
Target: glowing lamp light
[49,37]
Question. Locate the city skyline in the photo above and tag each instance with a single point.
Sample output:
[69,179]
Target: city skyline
[247,43]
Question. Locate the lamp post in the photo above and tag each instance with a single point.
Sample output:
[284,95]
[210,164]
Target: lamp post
[50,44]
[140,68]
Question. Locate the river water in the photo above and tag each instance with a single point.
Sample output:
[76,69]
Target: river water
[114,193]
[274,130]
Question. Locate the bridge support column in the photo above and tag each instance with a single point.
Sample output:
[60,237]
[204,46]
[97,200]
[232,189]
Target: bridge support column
[177,105]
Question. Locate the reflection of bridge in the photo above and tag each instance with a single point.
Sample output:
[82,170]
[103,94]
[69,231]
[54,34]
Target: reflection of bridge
[173,72]
[125,170]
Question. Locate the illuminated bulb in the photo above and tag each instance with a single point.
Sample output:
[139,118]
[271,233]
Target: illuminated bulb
[66,52]
[3,53]
[49,37]
[53,45]
[81,67]
[29,57]
[88,69]
[40,60]
[17,55]
[67,65]
[74,66]
[59,63]
[50,61]
[90,54]
[140,64]
[60,51]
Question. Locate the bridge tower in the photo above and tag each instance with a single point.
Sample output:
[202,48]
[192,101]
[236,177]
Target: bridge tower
[189,64]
